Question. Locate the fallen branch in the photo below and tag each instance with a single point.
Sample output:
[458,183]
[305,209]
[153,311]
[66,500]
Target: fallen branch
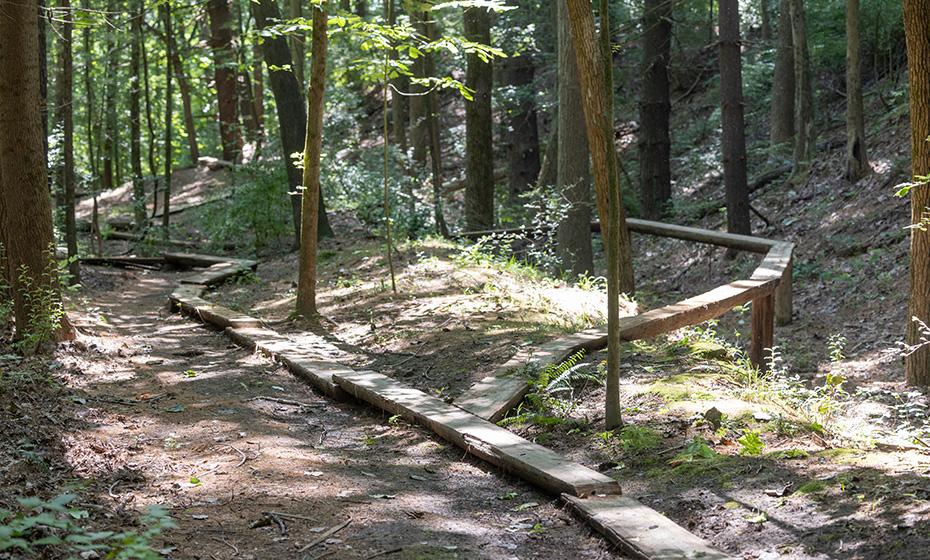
[330,532]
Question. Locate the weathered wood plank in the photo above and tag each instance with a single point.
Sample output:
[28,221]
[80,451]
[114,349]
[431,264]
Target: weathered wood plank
[778,263]
[763,330]
[200,260]
[486,440]
[207,312]
[217,274]
[641,531]
[711,237]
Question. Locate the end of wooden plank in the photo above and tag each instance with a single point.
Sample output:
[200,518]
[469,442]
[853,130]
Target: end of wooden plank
[318,373]
[640,530]
[494,396]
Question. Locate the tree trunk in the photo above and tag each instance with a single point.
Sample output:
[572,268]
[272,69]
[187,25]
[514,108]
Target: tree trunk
[109,104]
[766,16]
[857,159]
[224,61]
[43,79]
[655,110]
[64,88]
[432,128]
[573,175]
[184,88]
[153,167]
[25,195]
[549,168]
[731,109]
[401,83]
[523,163]
[296,42]
[607,180]
[782,115]
[306,288]
[169,109]
[292,113]
[135,120]
[917,364]
[258,88]
[479,154]
[419,105]
[803,96]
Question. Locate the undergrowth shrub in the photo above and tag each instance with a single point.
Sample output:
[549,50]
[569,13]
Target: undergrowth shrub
[46,309]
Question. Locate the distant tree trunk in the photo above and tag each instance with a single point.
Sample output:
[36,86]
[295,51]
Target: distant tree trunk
[857,159]
[89,128]
[109,103]
[184,88]
[607,180]
[655,109]
[258,87]
[782,115]
[731,109]
[573,175]
[917,364]
[523,163]
[224,61]
[292,112]
[549,168]
[419,105]
[435,146]
[296,43]
[135,120]
[401,83]
[804,93]
[153,167]
[479,153]
[24,190]
[65,92]
[169,109]
[766,16]
[306,287]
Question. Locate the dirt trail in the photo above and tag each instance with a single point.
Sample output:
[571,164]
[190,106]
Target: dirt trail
[173,417]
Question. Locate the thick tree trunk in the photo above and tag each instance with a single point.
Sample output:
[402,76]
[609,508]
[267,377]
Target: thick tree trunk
[804,93]
[573,175]
[306,287]
[419,105]
[917,364]
[169,114]
[607,180]
[782,115]
[292,112]
[24,189]
[135,121]
[731,109]
[523,163]
[65,117]
[857,159]
[224,61]
[655,171]
[479,153]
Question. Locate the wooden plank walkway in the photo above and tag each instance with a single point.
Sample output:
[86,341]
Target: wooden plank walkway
[532,462]
[641,531]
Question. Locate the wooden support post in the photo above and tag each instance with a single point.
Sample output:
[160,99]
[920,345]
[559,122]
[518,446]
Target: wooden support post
[783,297]
[763,329]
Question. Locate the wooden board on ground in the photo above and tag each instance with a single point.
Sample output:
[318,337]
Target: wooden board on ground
[198,260]
[481,438]
[641,531]
[216,315]
[218,273]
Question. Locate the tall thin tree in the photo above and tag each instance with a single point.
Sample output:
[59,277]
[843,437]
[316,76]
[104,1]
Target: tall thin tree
[857,159]
[65,93]
[803,89]
[479,154]
[731,110]
[169,115]
[655,170]
[782,113]
[224,64]
[135,119]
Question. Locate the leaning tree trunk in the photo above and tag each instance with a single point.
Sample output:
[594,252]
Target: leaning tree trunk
[857,159]
[803,96]
[24,189]
[224,62]
[573,175]
[655,170]
[306,287]
[522,129]
[607,180]
[782,114]
[479,154]
[731,109]
[917,364]
[65,100]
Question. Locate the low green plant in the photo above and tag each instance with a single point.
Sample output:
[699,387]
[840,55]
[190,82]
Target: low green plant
[554,391]
[638,439]
[39,527]
[751,443]
[46,310]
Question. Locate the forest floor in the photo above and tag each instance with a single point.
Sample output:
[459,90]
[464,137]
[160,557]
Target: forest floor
[149,407]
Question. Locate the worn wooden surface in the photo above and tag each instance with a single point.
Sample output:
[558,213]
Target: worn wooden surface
[641,531]
[534,463]
[763,330]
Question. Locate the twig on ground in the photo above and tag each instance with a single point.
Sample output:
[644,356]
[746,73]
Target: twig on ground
[286,401]
[110,490]
[241,454]
[384,553]
[290,515]
[330,532]
[227,543]
[279,522]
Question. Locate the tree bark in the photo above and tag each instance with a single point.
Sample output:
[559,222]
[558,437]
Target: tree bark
[731,109]
[782,115]
[435,146]
[296,43]
[549,168]
[224,61]
[169,110]
[135,120]
[292,113]
[25,195]
[419,105]
[258,88]
[109,104]
[917,364]
[573,175]
[184,88]
[655,110]
[479,154]
[607,180]
[766,17]
[519,72]
[803,91]
[857,159]
[65,118]
[149,124]
[306,287]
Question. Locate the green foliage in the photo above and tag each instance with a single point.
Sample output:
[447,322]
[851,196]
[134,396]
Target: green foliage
[638,439]
[46,310]
[6,295]
[257,210]
[750,443]
[42,526]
